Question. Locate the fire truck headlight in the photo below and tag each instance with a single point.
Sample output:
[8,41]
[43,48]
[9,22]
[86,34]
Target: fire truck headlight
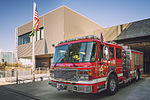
[85,75]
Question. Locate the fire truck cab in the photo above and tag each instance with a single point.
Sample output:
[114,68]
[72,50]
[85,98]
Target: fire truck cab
[90,65]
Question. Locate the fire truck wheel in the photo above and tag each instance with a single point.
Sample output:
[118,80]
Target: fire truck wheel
[137,75]
[112,85]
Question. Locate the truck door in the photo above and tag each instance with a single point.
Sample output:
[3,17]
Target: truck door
[111,61]
[102,67]
[103,61]
[119,68]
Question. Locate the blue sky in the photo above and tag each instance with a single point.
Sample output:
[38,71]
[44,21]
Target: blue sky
[107,13]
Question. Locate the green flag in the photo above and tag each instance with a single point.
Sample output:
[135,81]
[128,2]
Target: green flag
[33,31]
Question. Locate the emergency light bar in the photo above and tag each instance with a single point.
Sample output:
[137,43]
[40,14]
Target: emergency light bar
[81,38]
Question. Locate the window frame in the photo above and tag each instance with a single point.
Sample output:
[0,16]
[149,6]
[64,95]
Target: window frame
[100,56]
[120,56]
[41,29]
[90,58]
[110,56]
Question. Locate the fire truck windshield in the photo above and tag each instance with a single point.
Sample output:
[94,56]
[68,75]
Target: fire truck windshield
[83,52]
[60,52]
[77,52]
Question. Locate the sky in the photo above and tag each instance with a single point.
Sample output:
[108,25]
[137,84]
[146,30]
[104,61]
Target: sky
[106,13]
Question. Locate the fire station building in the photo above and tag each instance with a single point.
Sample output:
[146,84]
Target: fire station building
[64,23]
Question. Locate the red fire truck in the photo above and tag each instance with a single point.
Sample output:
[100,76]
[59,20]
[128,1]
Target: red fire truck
[90,65]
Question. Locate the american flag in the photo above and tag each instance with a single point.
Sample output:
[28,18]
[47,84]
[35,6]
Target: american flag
[36,19]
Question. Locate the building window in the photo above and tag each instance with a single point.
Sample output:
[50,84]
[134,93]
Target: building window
[25,38]
[31,39]
[41,33]
[22,39]
[28,38]
[19,40]
[38,35]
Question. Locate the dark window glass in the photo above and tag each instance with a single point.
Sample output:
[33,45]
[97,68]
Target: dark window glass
[41,33]
[19,40]
[111,51]
[77,52]
[25,38]
[118,53]
[100,52]
[83,52]
[22,39]
[60,54]
[28,38]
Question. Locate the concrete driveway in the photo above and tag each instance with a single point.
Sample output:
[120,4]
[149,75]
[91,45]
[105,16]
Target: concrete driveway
[41,90]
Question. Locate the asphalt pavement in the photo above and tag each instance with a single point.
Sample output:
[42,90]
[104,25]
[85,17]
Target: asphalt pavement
[42,91]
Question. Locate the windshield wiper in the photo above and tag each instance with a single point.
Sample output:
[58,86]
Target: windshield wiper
[68,56]
[59,59]
[74,64]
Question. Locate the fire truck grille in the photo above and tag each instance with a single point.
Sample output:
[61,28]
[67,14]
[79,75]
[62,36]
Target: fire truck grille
[70,75]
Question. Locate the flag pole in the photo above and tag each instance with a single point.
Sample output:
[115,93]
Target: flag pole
[33,40]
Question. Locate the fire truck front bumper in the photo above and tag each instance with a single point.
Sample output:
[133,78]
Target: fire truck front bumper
[72,87]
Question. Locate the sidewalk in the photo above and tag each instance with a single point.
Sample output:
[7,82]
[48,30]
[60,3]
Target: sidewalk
[6,83]
[28,78]
[23,79]
[147,75]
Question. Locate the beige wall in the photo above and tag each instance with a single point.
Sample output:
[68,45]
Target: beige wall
[77,25]
[53,28]
[111,33]
[53,24]
[61,24]
[26,49]
[28,26]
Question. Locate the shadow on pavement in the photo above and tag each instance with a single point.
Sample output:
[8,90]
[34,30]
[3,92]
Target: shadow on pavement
[46,92]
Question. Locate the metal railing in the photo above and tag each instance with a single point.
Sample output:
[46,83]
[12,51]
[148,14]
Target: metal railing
[24,75]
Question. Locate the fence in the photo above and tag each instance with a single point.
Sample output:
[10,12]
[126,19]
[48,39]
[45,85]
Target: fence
[24,75]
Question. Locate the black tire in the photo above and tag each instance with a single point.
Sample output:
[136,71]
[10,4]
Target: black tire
[137,78]
[112,85]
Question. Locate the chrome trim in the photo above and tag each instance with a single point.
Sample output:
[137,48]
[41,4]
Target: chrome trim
[85,82]
[76,88]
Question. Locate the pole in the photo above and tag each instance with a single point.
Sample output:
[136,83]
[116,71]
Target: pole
[16,57]
[16,44]
[33,40]
[33,59]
